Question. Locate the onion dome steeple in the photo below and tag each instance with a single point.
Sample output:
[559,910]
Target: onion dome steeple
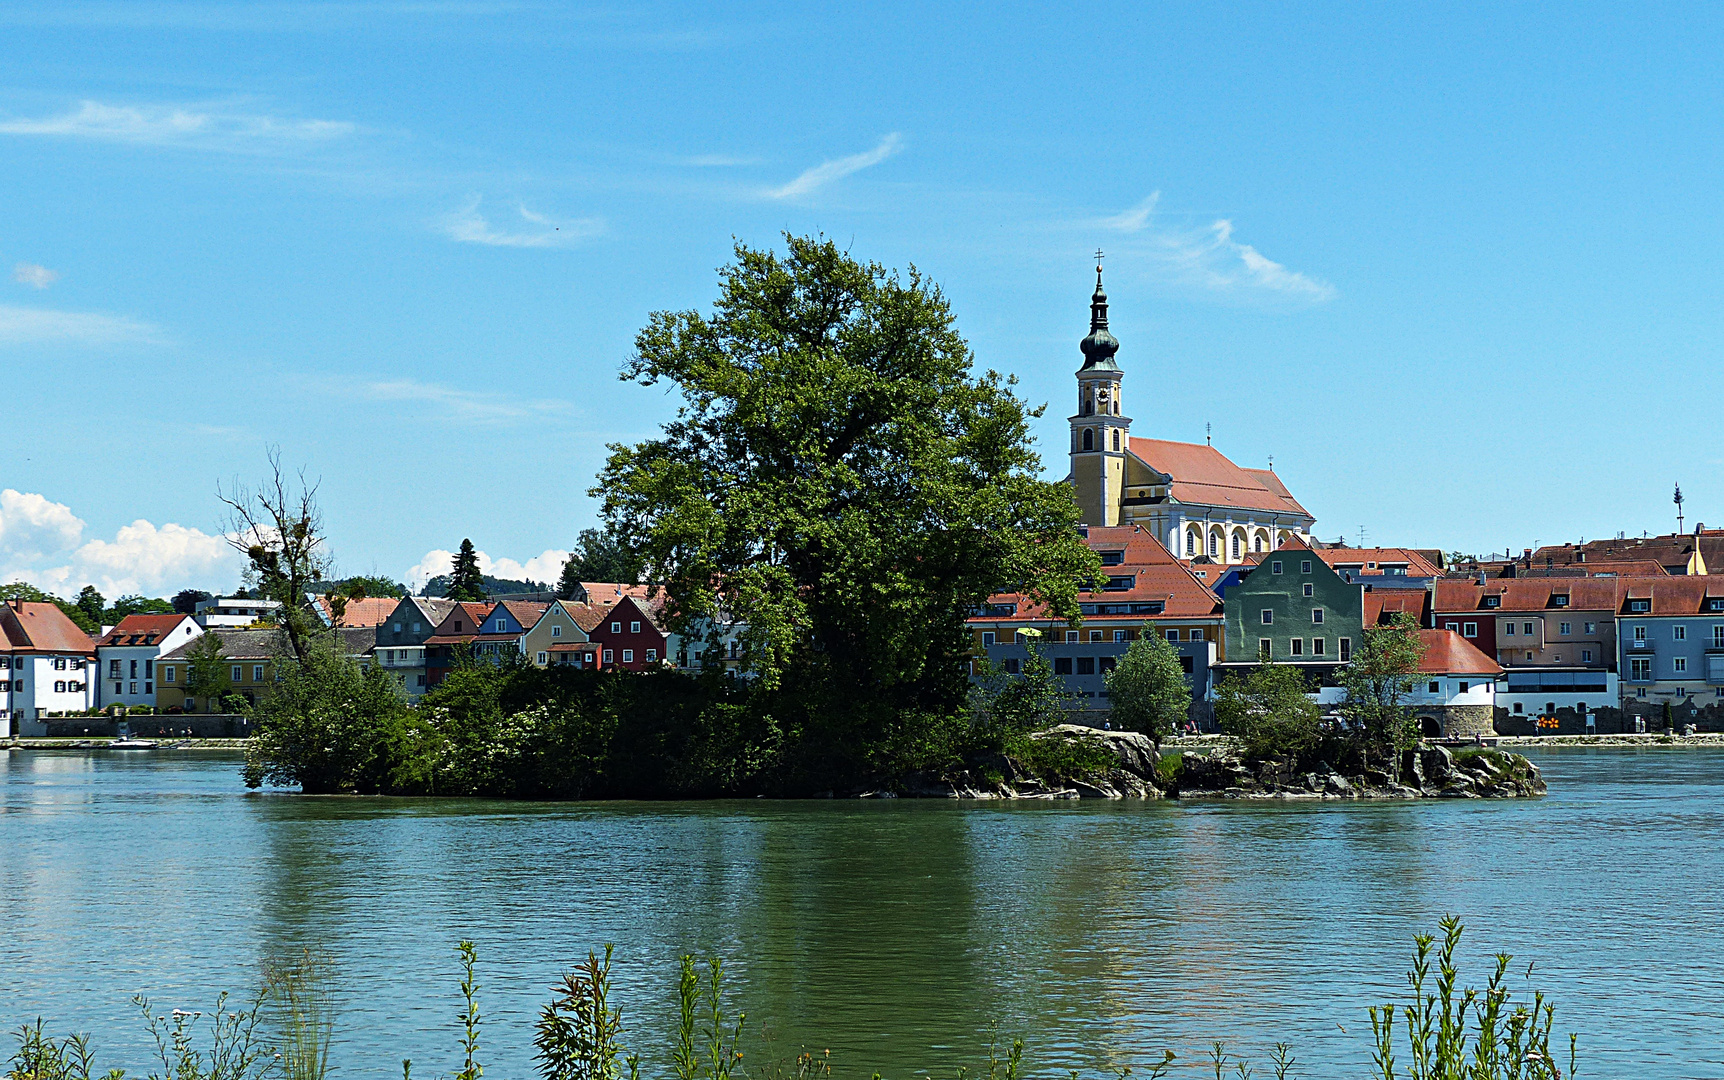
[1099,347]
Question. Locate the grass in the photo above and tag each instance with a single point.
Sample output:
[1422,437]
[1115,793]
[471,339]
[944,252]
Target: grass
[1060,757]
[1440,1032]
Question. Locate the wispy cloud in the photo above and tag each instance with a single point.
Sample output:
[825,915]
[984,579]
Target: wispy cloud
[197,127]
[37,277]
[24,325]
[536,231]
[467,405]
[828,171]
[1210,257]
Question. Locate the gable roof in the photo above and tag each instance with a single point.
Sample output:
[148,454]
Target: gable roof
[1381,605]
[1156,576]
[34,626]
[606,593]
[1679,595]
[1202,474]
[620,610]
[525,612]
[370,611]
[1528,594]
[237,643]
[1448,653]
[144,629]
[1417,565]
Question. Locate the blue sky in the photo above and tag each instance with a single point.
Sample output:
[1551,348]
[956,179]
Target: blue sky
[1456,270]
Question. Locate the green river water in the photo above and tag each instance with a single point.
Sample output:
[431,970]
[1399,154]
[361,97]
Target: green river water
[893,933]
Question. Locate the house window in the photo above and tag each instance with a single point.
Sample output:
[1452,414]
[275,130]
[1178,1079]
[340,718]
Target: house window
[1640,633]
[1088,433]
[257,673]
[1564,628]
[1463,688]
[238,673]
[1086,665]
[168,674]
[1680,633]
[1517,707]
[1237,551]
[1190,544]
[1317,616]
[1119,635]
[1073,635]
[1586,656]
[1062,665]
[1305,566]
[1268,617]
[1640,668]
[1275,566]
[987,638]
[1452,626]
[1297,647]
[1559,599]
[1173,635]
[616,628]
[1265,648]
[1718,637]
[416,628]
[556,630]
[1640,691]
[1529,658]
[543,657]
[635,627]
[113,669]
[1317,648]
[1116,438]
[1526,628]
[60,686]
[628,656]
[1508,629]
[1106,664]
[1435,686]
[1493,601]
[396,628]
[1309,589]
[1095,635]
[1681,663]
[134,667]
[1346,649]
[1214,544]
[148,688]
[421,680]
[1591,627]
[1639,606]
[610,656]
[1469,629]
[651,655]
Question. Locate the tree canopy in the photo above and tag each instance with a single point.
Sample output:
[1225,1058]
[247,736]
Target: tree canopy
[838,476]
[1148,690]
[465,580]
[1383,671]
[599,555]
[1268,710]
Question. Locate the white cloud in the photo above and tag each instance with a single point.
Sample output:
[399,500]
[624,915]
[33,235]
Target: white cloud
[1212,259]
[539,231]
[199,127]
[467,405]
[42,542]
[22,325]
[32,527]
[828,171]
[37,277]
[547,566]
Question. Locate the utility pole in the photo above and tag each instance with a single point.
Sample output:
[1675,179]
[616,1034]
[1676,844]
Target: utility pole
[1678,501]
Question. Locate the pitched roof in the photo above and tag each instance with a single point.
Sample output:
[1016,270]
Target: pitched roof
[143,629]
[435,608]
[1527,594]
[1417,565]
[236,643]
[1202,474]
[1671,549]
[587,616]
[1379,606]
[1679,595]
[33,626]
[525,612]
[1448,653]
[1156,576]
[609,592]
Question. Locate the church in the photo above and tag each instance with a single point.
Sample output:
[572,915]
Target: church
[1188,496]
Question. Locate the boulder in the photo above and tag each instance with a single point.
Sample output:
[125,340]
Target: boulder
[1437,764]
[1338,785]
[1412,768]
[1134,750]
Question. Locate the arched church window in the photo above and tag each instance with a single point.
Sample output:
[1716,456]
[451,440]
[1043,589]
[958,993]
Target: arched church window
[1116,405]
[1088,407]
[1190,543]
[1236,551]
[1116,438]
[1214,545]
[1259,544]
[1088,439]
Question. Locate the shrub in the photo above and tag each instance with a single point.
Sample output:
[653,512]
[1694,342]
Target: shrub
[1269,712]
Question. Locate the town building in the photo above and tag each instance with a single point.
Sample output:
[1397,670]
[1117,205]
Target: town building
[1554,637]
[1455,695]
[401,638]
[1292,608]
[233,611]
[628,638]
[1680,554]
[1190,497]
[1670,634]
[1146,592]
[561,636]
[1406,566]
[248,657]
[126,656]
[453,638]
[709,643]
[45,667]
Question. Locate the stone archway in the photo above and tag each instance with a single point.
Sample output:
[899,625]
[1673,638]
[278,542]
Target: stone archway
[1430,726]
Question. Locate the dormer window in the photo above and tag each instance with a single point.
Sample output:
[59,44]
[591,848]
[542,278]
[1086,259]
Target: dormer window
[1639,606]
[1715,603]
[1112,558]
[1493,601]
[1559,600]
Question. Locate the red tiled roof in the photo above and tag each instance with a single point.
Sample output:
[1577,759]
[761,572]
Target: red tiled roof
[1448,653]
[142,629]
[1380,605]
[1417,564]
[1527,594]
[1157,576]
[609,592]
[31,626]
[1679,595]
[1202,474]
[525,612]
[586,616]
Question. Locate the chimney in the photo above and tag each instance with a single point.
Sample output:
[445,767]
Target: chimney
[1482,577]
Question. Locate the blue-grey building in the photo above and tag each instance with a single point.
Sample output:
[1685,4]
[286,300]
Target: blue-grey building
[1670,641]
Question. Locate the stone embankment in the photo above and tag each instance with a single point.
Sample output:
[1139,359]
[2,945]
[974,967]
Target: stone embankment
[1132,775]
[1426,773]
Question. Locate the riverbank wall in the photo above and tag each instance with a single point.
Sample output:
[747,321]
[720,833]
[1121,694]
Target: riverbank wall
[156,726]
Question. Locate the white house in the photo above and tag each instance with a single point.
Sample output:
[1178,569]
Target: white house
[126,656]
[233,611]
[44,667]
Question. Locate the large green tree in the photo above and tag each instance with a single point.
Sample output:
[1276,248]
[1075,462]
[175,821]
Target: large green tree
[838,477]
[1383,671]
[1268,709]
[1148,690]
[327,725]
[207,671]
[599,555]
[465,581]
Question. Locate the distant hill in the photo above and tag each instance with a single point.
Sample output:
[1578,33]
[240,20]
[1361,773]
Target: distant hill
[438,585]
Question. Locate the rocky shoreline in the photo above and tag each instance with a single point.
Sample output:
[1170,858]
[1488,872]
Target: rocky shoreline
[1425,773]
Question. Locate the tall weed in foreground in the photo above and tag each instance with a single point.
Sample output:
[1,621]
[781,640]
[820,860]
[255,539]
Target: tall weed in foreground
[1470,1034]
[305,1010]
[40,1057]
[237,1049]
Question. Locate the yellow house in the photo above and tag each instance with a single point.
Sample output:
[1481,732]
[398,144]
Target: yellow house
[249,659]
[560,635]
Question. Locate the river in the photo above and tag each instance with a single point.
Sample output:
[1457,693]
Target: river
[892,933]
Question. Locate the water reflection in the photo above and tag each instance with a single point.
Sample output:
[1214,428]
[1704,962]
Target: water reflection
[893,933]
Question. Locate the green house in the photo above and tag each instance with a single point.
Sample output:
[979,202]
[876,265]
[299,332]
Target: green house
[1291,608]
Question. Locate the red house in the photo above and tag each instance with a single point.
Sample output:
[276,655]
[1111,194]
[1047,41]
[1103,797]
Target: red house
[628,638]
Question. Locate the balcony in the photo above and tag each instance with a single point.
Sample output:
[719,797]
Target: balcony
[1643,646]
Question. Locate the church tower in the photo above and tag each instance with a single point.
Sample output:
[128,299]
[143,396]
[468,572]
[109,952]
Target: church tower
[1101,432]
